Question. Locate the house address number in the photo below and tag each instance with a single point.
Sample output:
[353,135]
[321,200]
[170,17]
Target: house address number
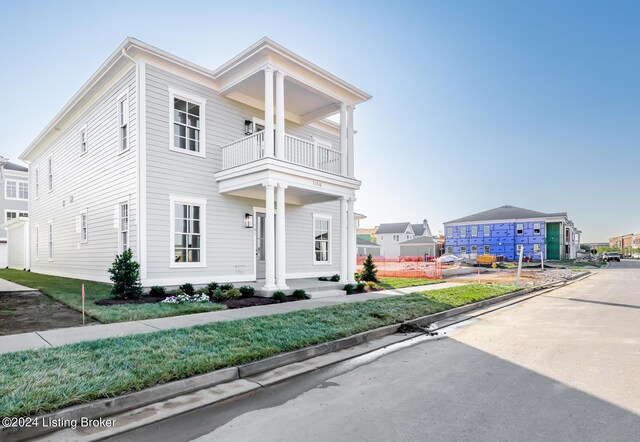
[317,183]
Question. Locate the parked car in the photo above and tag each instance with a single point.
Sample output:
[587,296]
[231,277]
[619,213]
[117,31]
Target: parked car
[611,256]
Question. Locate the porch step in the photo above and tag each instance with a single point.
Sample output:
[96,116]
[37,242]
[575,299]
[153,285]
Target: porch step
[326,293]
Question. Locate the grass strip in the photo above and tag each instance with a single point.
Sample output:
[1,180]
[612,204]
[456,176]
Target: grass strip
[400,283]
[40,381]
[68,292]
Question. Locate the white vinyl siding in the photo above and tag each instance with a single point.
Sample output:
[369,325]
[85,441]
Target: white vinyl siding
[36,236]
[97,182]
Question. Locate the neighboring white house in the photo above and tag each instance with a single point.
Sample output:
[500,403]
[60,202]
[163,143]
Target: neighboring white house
[14,203]
[391,236]
[186,166]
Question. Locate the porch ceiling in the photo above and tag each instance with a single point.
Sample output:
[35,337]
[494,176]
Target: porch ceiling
[302,103]
[293,195]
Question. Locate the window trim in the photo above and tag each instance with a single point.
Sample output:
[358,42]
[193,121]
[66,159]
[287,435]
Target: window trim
[17,182]
[200,101]
[449,232]
[486,230]
[465,231]
[120,231]
[539,228]
[50,173]
[474,235]
[50,242]
[36,178]
[82,133]
[124,95]
[84,238]
[521,230]
[322,216]
[37,241]
[202,202]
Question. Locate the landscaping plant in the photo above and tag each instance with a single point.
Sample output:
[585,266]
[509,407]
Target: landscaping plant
[247,291]
[125,274]
[369,270]
[279,296]
[300,294]
[226,287]
[188,289]
[185,299]
[348,288]
[335,278]
[158,290]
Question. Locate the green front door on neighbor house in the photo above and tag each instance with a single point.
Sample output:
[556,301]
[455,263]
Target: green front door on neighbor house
[553,240]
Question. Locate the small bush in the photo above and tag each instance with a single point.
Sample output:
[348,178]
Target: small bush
[175,292]
[247,291]
[158,290]
[279,296]
[323,278]
[369,270]
[335,278]
[125,274]
[360,287]
[203,291]
[212,286]
[300,294]
[348,288]
[356,276]
[187,289]
[226,287]
[371,285]
[217,294]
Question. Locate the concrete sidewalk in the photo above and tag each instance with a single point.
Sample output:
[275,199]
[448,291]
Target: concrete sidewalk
[62,336]
[7,286]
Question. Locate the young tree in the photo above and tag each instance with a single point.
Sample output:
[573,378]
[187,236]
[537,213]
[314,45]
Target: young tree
[369,270]
[125,274]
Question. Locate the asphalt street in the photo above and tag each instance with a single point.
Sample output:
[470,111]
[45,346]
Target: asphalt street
[561,366]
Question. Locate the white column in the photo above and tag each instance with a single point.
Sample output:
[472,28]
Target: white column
[343,140]
[269,241]
[344,254]
[268,112]
[351,242]
[279,115]
[281,254]
[350,140]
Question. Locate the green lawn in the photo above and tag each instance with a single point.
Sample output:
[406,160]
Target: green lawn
[39,381]
[399,283]
[68,291]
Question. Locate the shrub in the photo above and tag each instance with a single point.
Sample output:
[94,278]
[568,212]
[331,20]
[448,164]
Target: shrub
[300,294]
[247,291]
[348,288]
[226,287]
[356,276]
[233,294]
[188,289]
[360,287]
[279,296]
[211,287]
[125,274]
[158,290]
[203,291]
[217,294]
[369,270]
[371,285]
[335,278]
[323,278]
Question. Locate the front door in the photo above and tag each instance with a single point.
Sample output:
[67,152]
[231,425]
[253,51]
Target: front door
[553,240]
[260,254]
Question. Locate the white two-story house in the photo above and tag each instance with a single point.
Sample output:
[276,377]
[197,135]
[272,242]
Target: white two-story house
[226,175]
[14,207]
[405,239]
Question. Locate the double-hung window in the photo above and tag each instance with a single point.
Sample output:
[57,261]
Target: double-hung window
[487,249]
[463,250]
[124,226]
[519,229]
[187,123]
[188,245]
[50,163]
[396,238]
[537,248]
[463,232]
[83,141]
[474,249]
[322,240]
[449,249]
[123,122]
[37,180]
[50,241]
[84,228]
[474,231]
[486,230]
[519,248]
[449,232]
[536,228]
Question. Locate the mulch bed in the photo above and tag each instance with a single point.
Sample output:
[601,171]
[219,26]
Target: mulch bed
[230,303]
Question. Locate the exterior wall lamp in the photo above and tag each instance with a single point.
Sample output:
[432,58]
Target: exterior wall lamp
[248,221]
[248,127]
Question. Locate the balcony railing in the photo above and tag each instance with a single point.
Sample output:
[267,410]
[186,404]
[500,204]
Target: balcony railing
[296,150]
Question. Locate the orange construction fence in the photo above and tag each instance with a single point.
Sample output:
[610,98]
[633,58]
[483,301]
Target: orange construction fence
[427,267]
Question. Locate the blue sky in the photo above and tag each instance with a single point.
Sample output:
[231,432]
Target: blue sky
[476,104]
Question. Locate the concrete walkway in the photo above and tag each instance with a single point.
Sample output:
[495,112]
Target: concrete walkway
[69,335]
[7,286]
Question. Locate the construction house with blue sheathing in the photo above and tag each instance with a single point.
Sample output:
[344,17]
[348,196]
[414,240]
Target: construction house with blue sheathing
[504,230]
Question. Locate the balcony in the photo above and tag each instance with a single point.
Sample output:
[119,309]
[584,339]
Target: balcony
[298,151]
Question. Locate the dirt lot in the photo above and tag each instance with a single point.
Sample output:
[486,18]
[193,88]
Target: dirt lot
[508,276]
[22,312]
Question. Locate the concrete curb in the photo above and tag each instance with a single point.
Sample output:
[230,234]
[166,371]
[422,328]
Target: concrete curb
[110,406]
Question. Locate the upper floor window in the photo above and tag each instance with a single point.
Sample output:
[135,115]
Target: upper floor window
[84,230]
[83,141]
[50,162]
[123,122]
[463,232]
[16,190]
[519,229]
[187,125]
[396,237]
[487,230]
[449,232]
[474,231]
[37,180]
